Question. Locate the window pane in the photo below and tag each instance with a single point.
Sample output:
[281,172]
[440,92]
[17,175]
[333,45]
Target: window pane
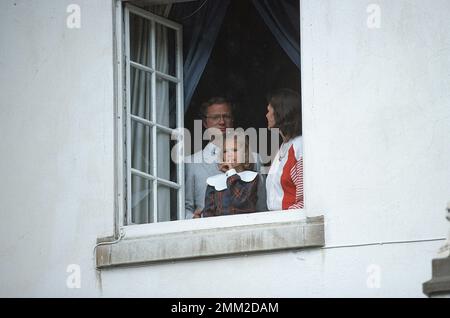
[167,203]
[140,44]
[167,167]
[140,82]
[141,147]
[141,200]
[165,49]
[166,103]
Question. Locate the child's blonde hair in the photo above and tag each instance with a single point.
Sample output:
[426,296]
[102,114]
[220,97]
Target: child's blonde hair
[242,141]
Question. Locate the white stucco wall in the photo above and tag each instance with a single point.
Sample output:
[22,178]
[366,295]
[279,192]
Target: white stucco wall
[56,129]
[371,271]
[376,131]
[376,114]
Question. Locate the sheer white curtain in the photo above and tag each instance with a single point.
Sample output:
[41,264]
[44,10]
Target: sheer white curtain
[163,113]
[141,141]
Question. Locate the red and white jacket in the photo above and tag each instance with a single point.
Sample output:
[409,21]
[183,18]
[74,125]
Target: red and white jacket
[284,182]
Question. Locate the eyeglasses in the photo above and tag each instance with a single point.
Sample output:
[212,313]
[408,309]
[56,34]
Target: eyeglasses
[216,118]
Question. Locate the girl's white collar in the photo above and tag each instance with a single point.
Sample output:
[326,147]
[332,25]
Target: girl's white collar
[219,181]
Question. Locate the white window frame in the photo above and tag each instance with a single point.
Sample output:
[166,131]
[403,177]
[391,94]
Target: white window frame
[152,123]
[193,238]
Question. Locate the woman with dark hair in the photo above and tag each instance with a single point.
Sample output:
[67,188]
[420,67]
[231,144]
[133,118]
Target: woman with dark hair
[284,182]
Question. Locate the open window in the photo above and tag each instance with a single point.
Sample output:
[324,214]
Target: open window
[231,52]
[154,109]
[154,97]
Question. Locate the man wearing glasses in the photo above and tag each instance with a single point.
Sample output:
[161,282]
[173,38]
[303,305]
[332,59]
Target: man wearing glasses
[217,113]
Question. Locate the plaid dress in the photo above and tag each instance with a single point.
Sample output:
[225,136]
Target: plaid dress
[239,197]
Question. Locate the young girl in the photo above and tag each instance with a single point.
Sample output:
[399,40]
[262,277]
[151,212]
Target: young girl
[234,191]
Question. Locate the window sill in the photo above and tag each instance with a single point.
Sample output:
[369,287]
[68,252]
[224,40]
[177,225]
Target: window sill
[210,237]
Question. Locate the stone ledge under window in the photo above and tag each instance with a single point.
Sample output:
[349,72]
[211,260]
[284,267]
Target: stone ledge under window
[219,241]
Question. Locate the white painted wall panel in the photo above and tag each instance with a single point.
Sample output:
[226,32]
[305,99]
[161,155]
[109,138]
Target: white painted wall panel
[56,129]
[376,118]
[341,272]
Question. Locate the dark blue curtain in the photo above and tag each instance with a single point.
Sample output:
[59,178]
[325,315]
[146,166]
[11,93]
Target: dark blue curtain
[201,22]
[282,18]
